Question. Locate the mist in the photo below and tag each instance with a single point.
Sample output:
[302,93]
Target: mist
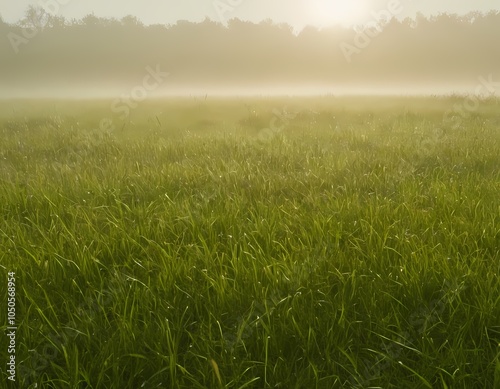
[49,57]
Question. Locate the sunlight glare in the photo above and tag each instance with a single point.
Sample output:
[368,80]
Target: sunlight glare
[334,12]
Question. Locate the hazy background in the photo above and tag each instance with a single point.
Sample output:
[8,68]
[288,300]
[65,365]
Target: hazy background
[297,13]
[75,48]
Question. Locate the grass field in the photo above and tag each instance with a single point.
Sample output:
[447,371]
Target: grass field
[252,243]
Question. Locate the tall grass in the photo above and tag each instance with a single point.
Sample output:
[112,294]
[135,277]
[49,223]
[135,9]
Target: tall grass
[353,248]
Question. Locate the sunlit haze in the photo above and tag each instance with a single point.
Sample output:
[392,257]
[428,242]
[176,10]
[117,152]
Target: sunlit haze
[297,13]
[330,12]
[75,48]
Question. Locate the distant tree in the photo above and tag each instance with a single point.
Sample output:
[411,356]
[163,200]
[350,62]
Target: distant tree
[3,25]
[421,20]
[409,23]
[267,22]
[36,18]
[111,22]
[131,21]
[91,20]
[471,17]
[184,23]
[56,21]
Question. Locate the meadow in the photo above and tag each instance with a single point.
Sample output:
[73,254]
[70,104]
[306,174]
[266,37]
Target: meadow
[333,242]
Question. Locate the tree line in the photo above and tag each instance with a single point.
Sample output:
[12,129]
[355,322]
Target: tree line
[43,49]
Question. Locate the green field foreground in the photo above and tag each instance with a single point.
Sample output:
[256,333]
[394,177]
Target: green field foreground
[266,243]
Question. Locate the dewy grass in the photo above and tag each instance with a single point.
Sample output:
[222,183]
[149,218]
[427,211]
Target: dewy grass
[353,247]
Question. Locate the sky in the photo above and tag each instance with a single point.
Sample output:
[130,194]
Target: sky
[297,13]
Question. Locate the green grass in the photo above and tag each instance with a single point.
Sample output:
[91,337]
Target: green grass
[357,246]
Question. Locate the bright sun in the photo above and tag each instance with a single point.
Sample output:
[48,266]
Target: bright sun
[344,12]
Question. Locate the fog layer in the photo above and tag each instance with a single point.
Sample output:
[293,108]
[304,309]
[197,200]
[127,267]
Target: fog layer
[44,56]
